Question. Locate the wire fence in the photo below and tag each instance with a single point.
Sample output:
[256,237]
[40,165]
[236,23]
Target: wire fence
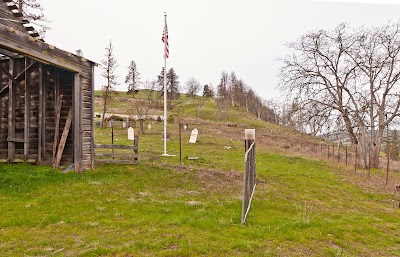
[249,180]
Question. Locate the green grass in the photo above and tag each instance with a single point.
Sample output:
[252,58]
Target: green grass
[302,206]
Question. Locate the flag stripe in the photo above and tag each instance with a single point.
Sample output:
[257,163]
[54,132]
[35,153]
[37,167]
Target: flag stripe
[165,40]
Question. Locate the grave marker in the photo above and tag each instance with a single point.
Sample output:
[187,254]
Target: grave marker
[193,136]
[131,133]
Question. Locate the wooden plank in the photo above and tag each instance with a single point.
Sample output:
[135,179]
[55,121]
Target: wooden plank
[29,28]
[56,114]
[18,14]
[9,73]
[12,7]
[33,34]
[11,111]
[16,140]
[92,119]
[6,88]
[126,156]
[22,75]
[22,43]
[77,93]
[116,161]
[63,140]
[8,53]
[40,115]
[27,111]
[115,146]
[44,113]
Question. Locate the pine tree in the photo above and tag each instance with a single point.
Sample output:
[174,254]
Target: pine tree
[172,83]
[222,90]
[133,78]
[208,91]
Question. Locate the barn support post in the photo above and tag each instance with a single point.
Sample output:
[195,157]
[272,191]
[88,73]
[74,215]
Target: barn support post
[27,111]
[43,105]
[92,124]
[11,114]
[77,123]
[57,113]
[40,116]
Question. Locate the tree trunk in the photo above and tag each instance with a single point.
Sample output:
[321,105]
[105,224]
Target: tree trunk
[104,111]
[20,2]
[364,148]
[141,121]
[133,88]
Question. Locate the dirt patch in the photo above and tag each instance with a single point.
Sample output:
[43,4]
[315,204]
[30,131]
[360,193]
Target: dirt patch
[224,181]
[214,180]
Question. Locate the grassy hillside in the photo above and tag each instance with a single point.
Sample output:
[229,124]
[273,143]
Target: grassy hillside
[303,205]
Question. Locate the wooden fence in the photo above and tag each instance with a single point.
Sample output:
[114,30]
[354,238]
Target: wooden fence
[117,154]
[249,180]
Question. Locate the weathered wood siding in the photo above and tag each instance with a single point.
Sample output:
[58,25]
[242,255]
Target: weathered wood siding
[37,96]
[56,82]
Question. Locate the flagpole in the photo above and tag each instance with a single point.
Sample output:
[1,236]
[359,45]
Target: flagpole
[165,87]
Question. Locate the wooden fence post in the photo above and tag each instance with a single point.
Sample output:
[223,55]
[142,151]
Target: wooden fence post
[180,143]
[136,149]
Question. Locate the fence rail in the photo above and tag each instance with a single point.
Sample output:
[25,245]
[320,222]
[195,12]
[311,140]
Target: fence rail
[119,153]
[249,180]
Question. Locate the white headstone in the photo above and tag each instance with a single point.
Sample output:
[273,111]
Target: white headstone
[124,124]
[131,133]
[184,127]
[193,136]
[149,126]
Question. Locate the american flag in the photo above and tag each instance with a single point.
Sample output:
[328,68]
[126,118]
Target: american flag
[165,37]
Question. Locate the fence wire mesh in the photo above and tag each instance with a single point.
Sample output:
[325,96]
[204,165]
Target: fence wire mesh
[249,180]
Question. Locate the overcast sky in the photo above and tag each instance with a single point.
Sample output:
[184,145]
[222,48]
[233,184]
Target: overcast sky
[205,37]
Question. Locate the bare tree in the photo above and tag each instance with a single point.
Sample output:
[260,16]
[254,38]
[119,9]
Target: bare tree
[378,57]
[109,64]
[320,72]
[132,79]
[33,11]
[142,111]
[149,89]
[351,77]
[192,87]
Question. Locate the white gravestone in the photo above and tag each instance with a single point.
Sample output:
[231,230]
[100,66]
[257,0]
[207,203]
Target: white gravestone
[149,126]
[131,133]
[193,136]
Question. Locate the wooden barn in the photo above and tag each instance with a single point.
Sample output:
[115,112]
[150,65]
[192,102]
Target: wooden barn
[46,98]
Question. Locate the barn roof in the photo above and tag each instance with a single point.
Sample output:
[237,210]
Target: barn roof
[18,37]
